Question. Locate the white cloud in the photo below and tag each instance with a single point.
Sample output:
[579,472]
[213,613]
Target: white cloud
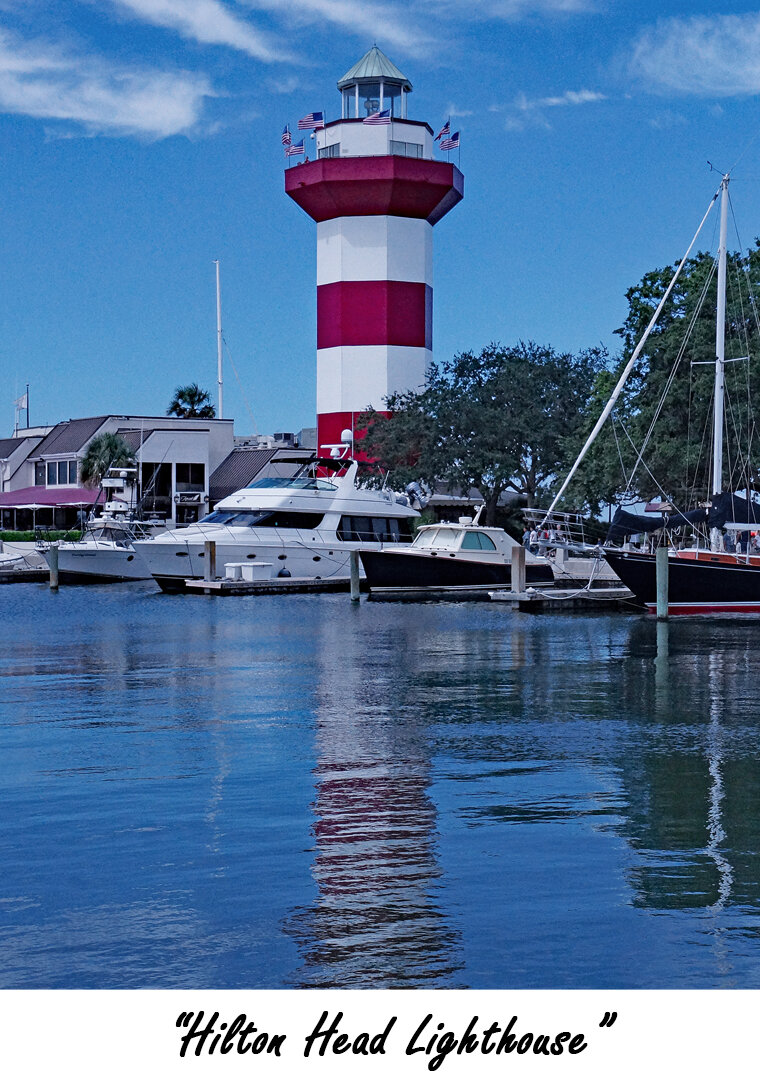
[717,56]
[511,10]
[45,81]
[390,24]
[208,22]
[664,121]
[529,112]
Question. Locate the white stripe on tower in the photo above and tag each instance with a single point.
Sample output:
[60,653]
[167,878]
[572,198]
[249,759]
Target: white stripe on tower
[374,339]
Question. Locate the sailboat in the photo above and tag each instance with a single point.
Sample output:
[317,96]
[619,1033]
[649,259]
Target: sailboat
[706,579]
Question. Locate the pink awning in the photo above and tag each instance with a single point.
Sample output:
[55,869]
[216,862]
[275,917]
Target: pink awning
[41,497]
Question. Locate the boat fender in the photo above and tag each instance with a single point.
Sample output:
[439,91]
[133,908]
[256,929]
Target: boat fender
[284,573]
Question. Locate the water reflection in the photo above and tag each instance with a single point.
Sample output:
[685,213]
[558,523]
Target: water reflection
[693,787]
[376,920]
[302,792]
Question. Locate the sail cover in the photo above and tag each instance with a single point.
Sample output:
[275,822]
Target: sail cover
[725,507]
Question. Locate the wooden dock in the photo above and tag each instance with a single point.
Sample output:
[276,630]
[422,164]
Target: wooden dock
[24,574]
[267,587]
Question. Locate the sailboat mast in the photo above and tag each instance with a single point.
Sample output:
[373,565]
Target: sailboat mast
[720,344]
[220,412]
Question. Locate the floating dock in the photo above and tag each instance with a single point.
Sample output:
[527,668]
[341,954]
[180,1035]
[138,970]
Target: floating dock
[267,586]
[537,602]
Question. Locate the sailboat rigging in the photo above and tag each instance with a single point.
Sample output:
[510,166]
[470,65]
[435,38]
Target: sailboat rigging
[707,579]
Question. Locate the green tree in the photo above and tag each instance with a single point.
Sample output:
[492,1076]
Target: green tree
[190,401]
[107,451]
[504,419]
[672,384]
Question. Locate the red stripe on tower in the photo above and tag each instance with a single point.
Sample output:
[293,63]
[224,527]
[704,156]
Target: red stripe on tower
[375,192]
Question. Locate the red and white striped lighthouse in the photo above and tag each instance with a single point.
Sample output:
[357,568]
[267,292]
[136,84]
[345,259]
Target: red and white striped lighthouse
[375,191]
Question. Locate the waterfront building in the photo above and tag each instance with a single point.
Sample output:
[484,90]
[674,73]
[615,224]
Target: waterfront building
[375,191]
[177,458]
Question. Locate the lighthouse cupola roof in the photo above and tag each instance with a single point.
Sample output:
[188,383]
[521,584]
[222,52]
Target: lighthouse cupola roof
[374,84]
[374,65]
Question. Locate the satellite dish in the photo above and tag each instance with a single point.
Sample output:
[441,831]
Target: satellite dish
[347,435]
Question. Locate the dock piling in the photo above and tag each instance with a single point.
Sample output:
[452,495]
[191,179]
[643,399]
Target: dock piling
[209,551]
[354,563]
[661,576]
[517,570]
[53,564]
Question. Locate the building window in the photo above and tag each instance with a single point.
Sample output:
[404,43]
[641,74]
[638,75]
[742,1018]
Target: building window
[190,476]
[329,151]
[406,149]
[56,473]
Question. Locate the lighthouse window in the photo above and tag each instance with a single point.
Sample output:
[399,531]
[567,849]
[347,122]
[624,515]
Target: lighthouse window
[369,99]
[329,151]
[406,149]
[392,99]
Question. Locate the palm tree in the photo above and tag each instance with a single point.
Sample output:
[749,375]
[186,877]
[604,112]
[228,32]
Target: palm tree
[190,401]
[107,451]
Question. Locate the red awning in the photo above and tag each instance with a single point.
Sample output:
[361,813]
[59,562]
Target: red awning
[41,497]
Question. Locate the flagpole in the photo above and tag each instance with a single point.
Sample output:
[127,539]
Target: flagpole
[219,339]
[27,404]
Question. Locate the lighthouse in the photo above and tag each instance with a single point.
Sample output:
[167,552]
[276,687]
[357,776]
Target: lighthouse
[375,191]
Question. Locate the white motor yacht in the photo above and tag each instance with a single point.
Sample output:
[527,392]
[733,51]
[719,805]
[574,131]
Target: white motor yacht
[301,526]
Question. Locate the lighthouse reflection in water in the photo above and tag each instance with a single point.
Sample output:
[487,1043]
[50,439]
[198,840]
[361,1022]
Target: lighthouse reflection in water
[302,792]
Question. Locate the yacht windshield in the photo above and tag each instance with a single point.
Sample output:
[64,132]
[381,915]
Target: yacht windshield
[435,538]
[303,483]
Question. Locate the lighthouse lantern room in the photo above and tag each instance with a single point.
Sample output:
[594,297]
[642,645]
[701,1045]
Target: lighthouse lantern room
[375,191]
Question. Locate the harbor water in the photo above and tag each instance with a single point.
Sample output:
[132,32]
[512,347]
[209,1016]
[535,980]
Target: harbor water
[299,791]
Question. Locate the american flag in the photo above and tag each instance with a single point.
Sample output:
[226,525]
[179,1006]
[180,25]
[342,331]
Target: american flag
[445,130]
[452,143]
[295,150]
[313,120]
[383,117]
[287,138]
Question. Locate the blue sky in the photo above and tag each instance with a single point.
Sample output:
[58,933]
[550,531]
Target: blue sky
[141,141]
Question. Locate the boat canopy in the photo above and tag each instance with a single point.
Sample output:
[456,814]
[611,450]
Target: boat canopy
[726,507]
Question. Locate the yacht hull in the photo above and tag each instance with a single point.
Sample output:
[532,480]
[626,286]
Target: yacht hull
[172,564]
[708,585]
[81,566]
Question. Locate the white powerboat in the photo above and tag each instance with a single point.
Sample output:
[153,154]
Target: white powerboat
[104,553]
[301,526]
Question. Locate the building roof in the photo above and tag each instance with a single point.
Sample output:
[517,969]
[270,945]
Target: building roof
[237,471]
[32,497]
[7,446]
[69,436]
[374,65]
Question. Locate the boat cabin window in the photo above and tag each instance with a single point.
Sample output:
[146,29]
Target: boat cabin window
[269,519]
[477,541]
[379,529]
